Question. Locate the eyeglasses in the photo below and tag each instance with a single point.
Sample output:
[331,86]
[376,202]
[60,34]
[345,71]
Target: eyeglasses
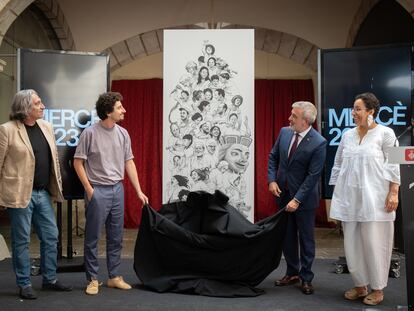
[358,109]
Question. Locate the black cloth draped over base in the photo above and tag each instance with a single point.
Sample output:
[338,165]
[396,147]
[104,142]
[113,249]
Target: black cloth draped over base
[204,246]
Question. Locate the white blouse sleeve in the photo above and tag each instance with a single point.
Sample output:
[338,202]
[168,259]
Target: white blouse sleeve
[336,168]
[391,171]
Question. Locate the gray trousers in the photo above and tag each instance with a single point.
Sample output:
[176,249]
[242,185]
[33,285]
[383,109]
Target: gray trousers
[105,207]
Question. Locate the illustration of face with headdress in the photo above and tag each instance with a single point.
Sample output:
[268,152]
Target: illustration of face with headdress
[236,155]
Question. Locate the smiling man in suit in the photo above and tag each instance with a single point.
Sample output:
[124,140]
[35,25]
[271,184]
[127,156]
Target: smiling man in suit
[295,165]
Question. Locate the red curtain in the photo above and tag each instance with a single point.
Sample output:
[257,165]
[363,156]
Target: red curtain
[143,120]
[273,102]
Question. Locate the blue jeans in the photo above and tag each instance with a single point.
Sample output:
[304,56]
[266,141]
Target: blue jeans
[40,212]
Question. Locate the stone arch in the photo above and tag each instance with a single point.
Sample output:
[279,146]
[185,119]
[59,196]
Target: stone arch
[9,12]
[11,9]
[408,5]
[52,12]
[360,15]
[267,40]
[362,12]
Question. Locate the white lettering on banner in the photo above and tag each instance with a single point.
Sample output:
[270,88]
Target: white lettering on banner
[339,121]
[67,122]
[344,119]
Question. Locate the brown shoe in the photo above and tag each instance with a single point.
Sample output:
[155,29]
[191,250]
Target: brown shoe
[307,288]
[374,298]
[287,280]
[356,292]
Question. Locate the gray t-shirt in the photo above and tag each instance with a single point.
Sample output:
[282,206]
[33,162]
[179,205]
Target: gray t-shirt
[105,152]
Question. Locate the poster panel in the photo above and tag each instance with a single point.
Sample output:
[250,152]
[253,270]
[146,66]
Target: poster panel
[69,84]
[208,136]
[344,73]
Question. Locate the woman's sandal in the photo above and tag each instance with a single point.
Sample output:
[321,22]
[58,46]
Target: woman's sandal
[356,292]
[374,298]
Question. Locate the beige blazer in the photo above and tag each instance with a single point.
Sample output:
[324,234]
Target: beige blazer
[17,164]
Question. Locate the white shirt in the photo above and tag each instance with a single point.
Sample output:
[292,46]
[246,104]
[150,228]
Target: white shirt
[362,175]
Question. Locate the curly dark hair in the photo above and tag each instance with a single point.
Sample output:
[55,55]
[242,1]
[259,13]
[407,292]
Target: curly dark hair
[370,102]
[196,116]
[182,180]
[203,105]
[106,102]
[213,49]
[202,173]
[183,193]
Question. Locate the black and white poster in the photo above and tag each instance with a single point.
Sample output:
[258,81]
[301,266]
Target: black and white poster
[208,137]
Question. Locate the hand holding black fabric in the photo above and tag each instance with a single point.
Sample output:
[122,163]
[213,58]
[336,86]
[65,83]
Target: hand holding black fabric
[205,246]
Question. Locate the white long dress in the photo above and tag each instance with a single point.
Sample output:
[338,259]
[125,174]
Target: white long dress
[362,175]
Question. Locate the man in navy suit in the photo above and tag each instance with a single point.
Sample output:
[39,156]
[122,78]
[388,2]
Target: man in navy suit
[295,165]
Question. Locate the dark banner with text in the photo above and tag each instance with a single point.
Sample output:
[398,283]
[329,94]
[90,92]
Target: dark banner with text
[344,73]
[69,84]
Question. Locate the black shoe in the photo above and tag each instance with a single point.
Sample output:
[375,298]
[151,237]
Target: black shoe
[307,288]
[27,292]
[57,286]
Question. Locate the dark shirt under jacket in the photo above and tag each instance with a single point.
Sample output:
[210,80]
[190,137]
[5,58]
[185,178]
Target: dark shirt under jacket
[42,155]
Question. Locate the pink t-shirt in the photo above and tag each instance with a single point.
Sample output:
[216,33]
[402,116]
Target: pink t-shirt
[105,152]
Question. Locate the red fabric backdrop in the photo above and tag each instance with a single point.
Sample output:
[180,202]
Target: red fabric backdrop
[143,120]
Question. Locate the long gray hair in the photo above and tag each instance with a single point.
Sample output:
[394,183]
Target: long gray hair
[22,105]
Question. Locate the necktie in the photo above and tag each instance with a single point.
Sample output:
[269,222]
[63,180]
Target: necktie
[294,146]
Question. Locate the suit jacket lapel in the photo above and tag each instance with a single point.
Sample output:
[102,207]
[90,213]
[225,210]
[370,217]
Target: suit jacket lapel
[287,143]
[303,144]
[24,136]
[46,133]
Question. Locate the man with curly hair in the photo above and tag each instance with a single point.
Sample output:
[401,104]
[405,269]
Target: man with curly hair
[101,158]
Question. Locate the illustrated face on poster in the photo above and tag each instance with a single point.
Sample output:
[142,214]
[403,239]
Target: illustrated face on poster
[209,115]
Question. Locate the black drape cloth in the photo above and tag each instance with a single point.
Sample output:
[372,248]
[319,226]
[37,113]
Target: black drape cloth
[205,246]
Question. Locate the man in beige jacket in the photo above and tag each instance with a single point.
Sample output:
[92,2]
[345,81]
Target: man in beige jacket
[29,179]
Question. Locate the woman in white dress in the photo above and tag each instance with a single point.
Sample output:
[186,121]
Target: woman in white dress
[365,199]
